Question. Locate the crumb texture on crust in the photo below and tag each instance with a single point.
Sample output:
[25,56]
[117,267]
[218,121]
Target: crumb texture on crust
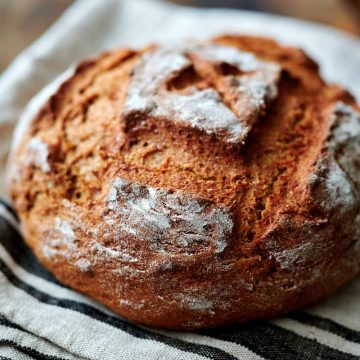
[194,185]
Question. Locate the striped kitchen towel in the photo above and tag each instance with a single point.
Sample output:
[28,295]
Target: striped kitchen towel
[42,319]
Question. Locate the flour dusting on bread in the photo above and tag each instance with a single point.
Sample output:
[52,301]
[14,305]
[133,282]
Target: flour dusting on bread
[332,187]
[257,79]
[37,154]
[344,141]
[168,219]
[254,85]
[297,256]
[60,240]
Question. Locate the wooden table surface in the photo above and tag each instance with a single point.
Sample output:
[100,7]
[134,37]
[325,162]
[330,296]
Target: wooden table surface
[22,21]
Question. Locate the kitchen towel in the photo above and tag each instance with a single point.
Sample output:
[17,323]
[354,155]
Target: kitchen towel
[42,319]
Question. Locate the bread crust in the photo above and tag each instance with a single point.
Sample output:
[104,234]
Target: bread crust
[194,186]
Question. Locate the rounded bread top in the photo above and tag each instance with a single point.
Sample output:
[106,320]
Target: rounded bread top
[202,155]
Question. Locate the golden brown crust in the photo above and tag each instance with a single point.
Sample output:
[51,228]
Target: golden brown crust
[184,224]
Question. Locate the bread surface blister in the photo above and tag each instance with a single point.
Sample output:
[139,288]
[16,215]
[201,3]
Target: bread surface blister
[193,185]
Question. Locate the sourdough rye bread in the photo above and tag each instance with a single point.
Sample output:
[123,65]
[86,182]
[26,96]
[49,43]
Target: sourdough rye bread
[193,185]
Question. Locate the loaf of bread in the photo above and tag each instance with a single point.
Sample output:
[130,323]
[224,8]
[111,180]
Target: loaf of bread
[193,185]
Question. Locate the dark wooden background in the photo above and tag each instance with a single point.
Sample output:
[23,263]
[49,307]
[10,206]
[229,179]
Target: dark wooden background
[22,21]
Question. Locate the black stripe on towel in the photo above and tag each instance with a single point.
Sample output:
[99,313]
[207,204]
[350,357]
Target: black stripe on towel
[132,329]
[21,253]
[9,208]
[29,351]
[326,324]
[6,322]
[9,324]
[273,342]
